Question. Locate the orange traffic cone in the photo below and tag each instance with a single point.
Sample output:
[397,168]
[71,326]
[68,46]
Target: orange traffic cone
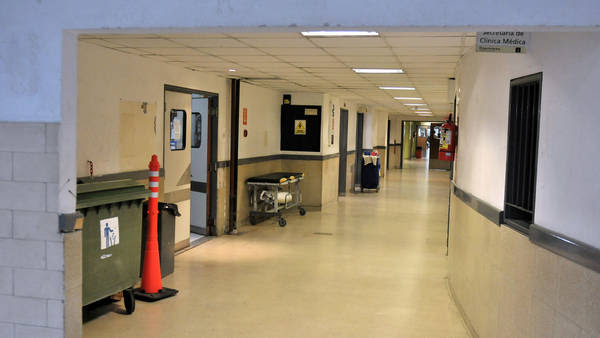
[152,289]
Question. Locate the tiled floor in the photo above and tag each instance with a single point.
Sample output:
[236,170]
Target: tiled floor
[372,265]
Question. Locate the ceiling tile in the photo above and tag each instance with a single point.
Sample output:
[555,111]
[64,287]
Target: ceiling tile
[346,42]
[210,43]
[250,58]
[429,58]
[424,41]
[230,51]
[144,42]
[424,34]
[366,59]
[265,35]
[427,51]
[171,51]
[292,51]
[338,51]
[308,58]
[103,43]
[130,50]
[277,42]
[116,36]
[319,65]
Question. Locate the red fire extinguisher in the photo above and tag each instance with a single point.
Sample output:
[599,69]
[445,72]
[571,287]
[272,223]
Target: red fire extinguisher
[448,139]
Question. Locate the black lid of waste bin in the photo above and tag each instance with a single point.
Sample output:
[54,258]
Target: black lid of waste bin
[170,207]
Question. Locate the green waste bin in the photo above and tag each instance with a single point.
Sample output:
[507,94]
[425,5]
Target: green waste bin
[112,232]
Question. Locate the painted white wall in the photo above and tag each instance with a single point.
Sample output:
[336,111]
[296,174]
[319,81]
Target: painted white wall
[567,184]
[382,122]
[369,130]
[264,121]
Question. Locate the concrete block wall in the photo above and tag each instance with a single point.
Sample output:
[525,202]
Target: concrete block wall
[31,247]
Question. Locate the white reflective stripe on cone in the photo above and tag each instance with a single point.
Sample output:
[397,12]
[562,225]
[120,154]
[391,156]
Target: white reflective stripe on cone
[153,185]
[153,173]
[153,195]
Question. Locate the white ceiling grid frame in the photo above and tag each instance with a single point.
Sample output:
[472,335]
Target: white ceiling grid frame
[289,61]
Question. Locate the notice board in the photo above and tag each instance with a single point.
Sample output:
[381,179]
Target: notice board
[300,128]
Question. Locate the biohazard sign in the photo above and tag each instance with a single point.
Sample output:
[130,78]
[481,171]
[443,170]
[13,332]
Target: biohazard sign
[299,127]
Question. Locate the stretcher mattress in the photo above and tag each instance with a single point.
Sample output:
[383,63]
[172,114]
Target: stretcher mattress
[274,177]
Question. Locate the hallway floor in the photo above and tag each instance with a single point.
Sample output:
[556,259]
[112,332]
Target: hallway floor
[371,265]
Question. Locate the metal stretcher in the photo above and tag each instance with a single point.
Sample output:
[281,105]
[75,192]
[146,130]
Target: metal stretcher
[267,192]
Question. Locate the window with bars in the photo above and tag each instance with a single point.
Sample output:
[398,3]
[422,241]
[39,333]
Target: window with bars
[521,160]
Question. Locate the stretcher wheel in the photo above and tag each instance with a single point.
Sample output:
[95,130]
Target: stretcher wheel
[253,220]
[302,211]
[129,300]
[282,222]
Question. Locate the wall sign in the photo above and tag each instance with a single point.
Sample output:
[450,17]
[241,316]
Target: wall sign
[109,232]
[503,42]
[311,111]
[300,127]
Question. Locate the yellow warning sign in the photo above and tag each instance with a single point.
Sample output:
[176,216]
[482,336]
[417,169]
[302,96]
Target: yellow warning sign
[300,127]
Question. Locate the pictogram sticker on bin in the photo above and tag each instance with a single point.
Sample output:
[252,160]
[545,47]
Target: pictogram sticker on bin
[109,232]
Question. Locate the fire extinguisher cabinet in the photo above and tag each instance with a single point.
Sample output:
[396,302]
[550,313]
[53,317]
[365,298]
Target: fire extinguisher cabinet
[112,234]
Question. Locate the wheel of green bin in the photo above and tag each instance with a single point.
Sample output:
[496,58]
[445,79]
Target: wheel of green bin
[302,212]
[282,222]
[253,220]
[129,300]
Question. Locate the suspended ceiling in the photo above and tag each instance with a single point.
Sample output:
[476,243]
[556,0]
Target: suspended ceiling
[291,62]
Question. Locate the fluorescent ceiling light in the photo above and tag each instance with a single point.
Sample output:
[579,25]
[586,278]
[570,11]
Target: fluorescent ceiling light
[415,104]
[377,71]
[424,113]
[407,98]
[232,70]
[339,33]
[422,108]
[398,88]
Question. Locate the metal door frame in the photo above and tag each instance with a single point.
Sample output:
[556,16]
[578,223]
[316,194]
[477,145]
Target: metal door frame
[212,146]
[343,137]
[359,148]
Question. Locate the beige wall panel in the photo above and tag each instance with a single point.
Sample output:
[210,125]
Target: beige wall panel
[222,217]
[382,159]
[394,157]
[313,180]
[244,172]
[350,171]
[330,179]
[509,287]
[136,134]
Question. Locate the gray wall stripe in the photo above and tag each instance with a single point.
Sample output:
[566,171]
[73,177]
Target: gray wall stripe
[486,210]
[571,249]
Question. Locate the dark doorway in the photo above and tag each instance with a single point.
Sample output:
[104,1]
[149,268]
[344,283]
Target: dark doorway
[434,140]
[202,157]
[343,151]
[359,148]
